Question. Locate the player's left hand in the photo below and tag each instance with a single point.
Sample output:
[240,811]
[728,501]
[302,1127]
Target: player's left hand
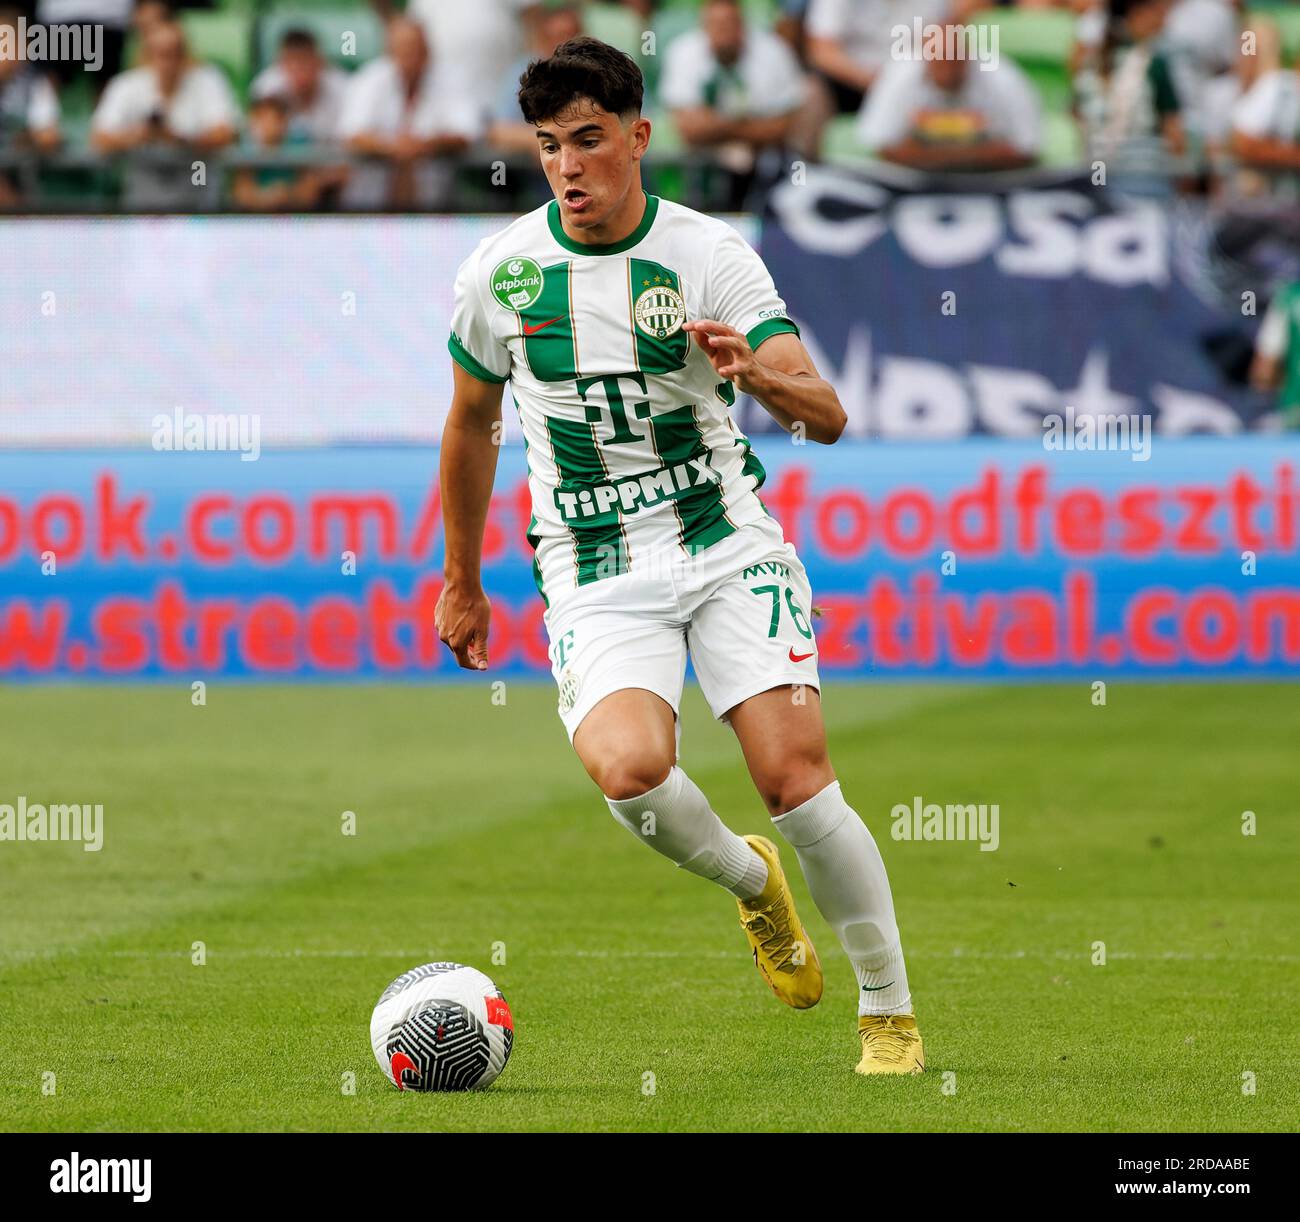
[728,351]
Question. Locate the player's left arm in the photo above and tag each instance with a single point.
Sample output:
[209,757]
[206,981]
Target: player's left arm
[780,375]
[751,341]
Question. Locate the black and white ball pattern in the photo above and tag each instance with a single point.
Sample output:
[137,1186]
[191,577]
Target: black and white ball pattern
[441,1026]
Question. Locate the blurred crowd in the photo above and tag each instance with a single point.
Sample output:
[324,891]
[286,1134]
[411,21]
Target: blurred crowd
[330,105]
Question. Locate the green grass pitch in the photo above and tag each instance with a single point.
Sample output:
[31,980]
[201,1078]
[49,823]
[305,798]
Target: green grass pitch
[476,826]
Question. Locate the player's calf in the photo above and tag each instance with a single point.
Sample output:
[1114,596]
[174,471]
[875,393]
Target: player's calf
[675,819]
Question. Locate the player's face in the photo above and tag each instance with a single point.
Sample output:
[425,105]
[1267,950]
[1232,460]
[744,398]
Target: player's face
[590,158]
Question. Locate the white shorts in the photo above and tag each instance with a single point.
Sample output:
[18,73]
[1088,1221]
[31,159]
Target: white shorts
[741,608]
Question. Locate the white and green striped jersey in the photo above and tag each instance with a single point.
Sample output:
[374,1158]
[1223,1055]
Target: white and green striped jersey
[631,446]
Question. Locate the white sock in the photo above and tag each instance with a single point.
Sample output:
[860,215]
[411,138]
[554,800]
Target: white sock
[848,883]
[675,819]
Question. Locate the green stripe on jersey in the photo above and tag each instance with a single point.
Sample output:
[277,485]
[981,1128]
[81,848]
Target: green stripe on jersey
[600,545]
[533,540]
[550,349]
[703,515]
[656,290]
[765,331]
[612,248]
[751,465]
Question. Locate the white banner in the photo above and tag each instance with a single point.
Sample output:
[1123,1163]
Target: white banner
[328,329]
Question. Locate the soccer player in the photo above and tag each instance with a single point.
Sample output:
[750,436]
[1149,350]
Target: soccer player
[626,324]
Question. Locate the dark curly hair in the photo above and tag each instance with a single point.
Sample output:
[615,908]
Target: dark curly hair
[581,68]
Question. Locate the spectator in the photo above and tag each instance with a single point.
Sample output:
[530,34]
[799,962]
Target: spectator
[401,110]
[1127,99]
[732,90]
[476,41]
[1266,137]
[274,188]
[946,113]
[848,42]
[312,88]
[29,113]
[508,131]
[791,24]
[148,13]
[170,102]
[1092,17]
[1277,353]
[1200,39]
[1224,92]
[112,17]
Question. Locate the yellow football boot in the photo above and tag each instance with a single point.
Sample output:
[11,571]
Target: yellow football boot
[890,1044]
[783,951]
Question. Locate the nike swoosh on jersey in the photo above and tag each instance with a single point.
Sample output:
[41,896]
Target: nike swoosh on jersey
[800,657]
[530,329]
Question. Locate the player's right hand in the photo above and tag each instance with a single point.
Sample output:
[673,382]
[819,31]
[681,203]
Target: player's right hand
[461,620]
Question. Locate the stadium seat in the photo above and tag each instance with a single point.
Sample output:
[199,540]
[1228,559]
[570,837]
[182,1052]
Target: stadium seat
[1032,34]
[621,28]
[1287,20]
[77,106]
[614,24]
[1039,40]
[671,23]
[840,144]
[760,12]
[225,38]
[1062,140]
[329,25]
[678,16]
[665,139]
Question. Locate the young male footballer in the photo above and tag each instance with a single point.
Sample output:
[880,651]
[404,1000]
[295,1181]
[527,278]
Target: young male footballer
[626,324]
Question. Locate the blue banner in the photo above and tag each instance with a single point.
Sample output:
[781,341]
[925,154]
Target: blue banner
[944,313]
[988,559]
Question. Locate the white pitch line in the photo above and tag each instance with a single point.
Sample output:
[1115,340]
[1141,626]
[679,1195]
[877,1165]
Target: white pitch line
[427,954]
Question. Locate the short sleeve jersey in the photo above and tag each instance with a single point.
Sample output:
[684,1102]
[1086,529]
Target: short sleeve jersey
[632,449]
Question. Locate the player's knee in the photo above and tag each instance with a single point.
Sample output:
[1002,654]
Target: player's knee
[629,775]
[793,785]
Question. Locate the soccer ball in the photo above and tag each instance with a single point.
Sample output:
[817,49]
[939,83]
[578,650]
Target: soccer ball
[442,1026]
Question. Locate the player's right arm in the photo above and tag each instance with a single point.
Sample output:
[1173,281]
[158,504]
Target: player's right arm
[467,468]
